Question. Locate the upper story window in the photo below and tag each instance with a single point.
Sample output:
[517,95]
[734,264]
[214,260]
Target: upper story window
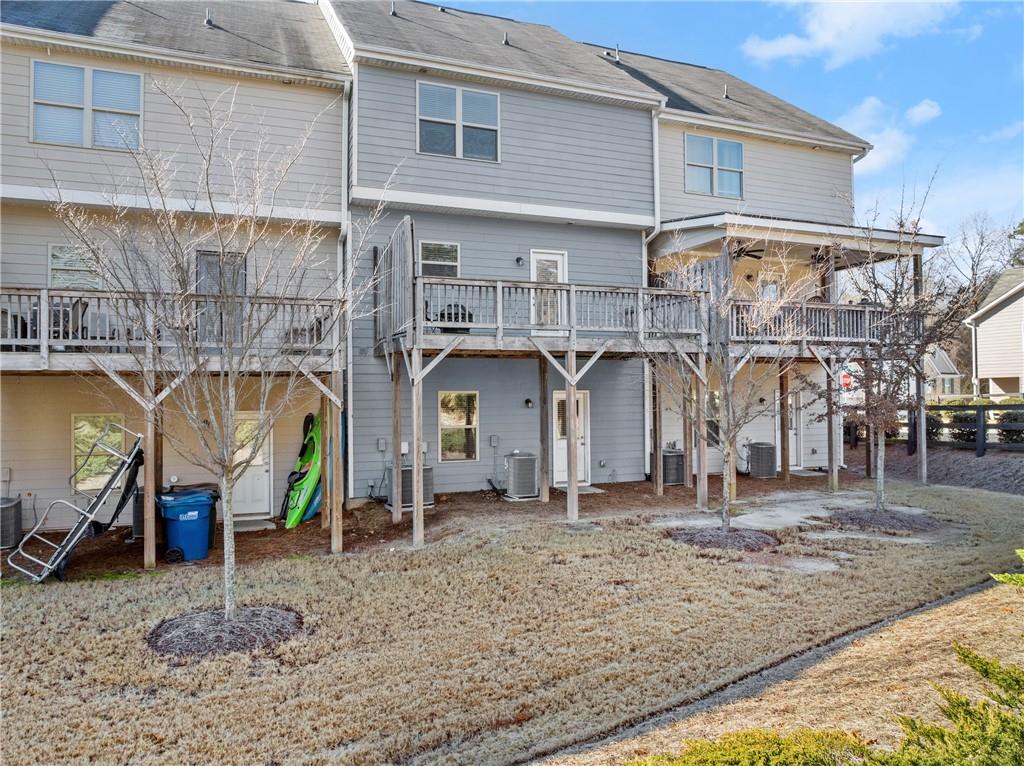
[70,269]
[457,122]
[439,259]
[714,166]
[85,106]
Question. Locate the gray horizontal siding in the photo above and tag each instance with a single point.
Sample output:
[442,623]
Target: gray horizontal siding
[489,249]
[554,151]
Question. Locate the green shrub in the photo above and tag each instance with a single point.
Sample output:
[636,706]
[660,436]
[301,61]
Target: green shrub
[767,748]
[963,423]
[1007,435]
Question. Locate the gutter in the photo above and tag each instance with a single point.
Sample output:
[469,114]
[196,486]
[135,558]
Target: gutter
[655,134]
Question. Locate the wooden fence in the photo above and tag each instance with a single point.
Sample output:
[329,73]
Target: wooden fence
[971,426]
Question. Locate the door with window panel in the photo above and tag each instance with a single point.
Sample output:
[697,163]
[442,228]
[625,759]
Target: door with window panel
[548,307]
[220,285]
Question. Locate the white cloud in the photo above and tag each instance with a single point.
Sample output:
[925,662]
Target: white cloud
[1004,134]
[841,32]
[872,120]
[923,111]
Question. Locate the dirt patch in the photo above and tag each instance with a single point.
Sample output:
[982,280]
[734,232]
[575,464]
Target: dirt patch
[730,539]
[207,633]
[884,521]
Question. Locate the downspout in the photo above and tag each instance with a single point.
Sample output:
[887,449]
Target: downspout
[975,383]
[645,241]
[350,281]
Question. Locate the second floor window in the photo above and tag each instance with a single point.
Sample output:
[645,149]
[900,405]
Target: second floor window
[85,106]
[457,122]
[70,269]
[714,166]
[439,259]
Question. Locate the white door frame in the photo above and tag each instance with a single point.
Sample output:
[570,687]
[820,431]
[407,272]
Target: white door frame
[796,457]
[269,447]
[562,256]
[584,436]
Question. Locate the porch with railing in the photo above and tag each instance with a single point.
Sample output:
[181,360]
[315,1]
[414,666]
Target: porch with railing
[53,329]
[811,322]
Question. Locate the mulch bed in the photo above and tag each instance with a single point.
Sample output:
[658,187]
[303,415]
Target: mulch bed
[883,521]
[207,633]
[731,539]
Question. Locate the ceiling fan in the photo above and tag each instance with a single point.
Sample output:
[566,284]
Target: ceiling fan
[748,251]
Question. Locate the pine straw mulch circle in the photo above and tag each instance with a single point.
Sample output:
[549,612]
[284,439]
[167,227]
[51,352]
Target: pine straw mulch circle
[883,521]
[730,539]
[207,633]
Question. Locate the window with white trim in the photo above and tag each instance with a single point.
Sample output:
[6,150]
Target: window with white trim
[458,419]
[439,259]
[714,166]
[456,122]
[70,269]
[91,472]
[85,106]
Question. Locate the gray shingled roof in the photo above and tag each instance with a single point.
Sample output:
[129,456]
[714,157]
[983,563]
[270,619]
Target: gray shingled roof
[280,34]
[477,39]
[1008,280]
[699,89]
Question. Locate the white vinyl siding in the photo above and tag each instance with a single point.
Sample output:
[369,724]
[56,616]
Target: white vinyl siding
[85,106]
[458,421]
[452,121]
[714,166]
[1001,341]
[779,179]
[439,259]
[70,269]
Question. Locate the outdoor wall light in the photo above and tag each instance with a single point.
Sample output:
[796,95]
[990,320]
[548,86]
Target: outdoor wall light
[761,400]
[529,404]
[520,261]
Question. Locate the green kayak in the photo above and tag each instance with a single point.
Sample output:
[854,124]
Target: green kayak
[303,480]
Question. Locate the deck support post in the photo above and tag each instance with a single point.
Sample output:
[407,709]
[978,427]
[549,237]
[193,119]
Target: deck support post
[657,461]
[326,506]
[687,408]
[831,417]
[149,477]
[572,487]
[417,449]
[337,470]
[700,413]
[922,424]
[396,443]
[784,456]
[545,431]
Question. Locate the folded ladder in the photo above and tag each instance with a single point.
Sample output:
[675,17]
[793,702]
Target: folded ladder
[38,569]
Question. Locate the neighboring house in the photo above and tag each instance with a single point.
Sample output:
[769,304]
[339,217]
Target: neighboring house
[997,338]
[941,377]
[536,189]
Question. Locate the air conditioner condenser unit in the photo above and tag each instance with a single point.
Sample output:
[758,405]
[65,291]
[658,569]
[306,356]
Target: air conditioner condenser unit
[523,473]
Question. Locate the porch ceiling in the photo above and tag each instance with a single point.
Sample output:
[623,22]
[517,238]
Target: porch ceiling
[800,239]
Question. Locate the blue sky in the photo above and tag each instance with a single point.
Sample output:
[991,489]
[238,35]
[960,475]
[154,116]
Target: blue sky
[936,87]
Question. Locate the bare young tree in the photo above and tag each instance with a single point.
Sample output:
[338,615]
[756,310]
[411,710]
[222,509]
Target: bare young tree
[234,303]
[754,308]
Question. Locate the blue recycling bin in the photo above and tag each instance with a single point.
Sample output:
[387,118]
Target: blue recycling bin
[187,517]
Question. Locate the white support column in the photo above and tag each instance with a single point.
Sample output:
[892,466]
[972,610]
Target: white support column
[833,436]
[700,410]
[658,459]
[572,487]
[417,449]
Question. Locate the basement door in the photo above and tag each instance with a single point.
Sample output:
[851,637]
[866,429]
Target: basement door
[253,490]
[560,468]
[792,431]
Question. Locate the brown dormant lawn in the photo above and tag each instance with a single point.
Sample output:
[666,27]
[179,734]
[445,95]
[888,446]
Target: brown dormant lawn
[481,649]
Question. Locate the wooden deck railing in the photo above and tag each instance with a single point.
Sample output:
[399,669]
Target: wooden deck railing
[500,309]
[45,322]
[823,322]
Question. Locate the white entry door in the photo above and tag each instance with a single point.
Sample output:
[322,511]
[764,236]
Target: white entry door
[252,494]
[560,444]
[792,429]
[547,307]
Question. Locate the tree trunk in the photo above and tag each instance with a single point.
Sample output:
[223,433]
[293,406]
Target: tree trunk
[229,548]
[880,469]
[727,461]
